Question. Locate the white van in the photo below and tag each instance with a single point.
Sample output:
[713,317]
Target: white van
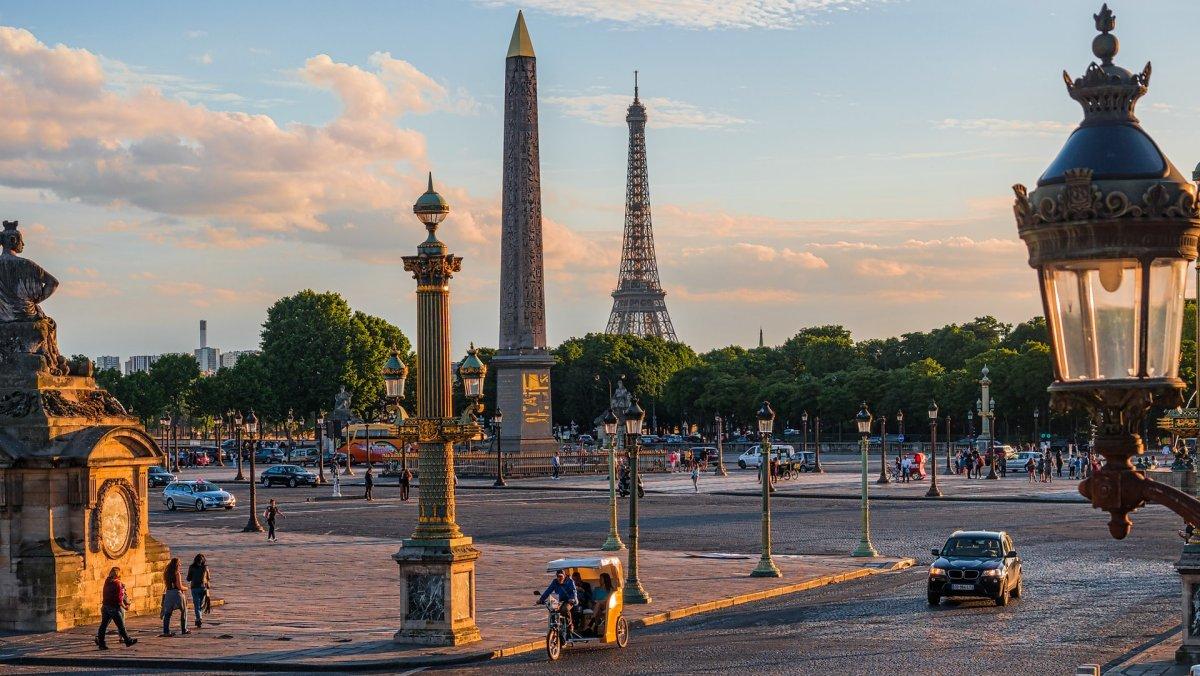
[753,456]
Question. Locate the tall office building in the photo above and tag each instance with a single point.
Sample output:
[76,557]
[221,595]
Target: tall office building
[208,358]
[108,363]
[140,363]
[230,359]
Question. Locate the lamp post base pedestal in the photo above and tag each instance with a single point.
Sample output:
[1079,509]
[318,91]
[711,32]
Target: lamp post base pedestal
[635,594]
[883,479]
[766,568]
[612,544]
[499,483]
[933,492]
[437,592]
[865,550]
[817,469]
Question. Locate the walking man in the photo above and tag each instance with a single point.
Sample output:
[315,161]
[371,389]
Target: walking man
[405,482]
[112,609]
[369,482]
[696,476]
[555,463]
[270,514]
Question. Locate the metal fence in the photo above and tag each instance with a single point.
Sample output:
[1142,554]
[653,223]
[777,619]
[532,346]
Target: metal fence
[478,463]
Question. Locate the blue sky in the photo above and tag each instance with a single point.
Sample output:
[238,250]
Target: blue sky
[811,161]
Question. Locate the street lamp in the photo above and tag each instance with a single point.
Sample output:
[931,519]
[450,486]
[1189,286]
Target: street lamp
[766,421]
[635,415]
[804,431]
[163,422]
[319,434]
[235,422]
[720,425]
[883,463]
[395,375]
[252,524]
[613,543]
[497,424]
[1036,439]
[863,420]
[933,419]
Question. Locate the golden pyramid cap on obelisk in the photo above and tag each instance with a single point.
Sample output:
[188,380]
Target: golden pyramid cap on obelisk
[520,45]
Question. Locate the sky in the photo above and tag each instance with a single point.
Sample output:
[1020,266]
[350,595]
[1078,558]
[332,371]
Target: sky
[811,161]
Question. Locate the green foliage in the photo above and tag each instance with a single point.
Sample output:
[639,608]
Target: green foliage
[174,375]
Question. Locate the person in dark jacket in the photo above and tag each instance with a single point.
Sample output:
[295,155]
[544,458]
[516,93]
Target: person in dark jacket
[173,599]
[197,578]
[369,482]
[112,609]
[405,483]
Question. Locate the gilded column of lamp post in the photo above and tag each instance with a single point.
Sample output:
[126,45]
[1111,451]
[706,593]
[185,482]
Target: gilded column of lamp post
[883,462]
[766,565]
[863,421]
[635,416]
[434,427]
[613,542]
[251,428]
[933,421]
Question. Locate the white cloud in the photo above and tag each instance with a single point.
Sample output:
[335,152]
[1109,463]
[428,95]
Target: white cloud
[989,126]
[204,59]
[608,110]
[695,14]
[193,35]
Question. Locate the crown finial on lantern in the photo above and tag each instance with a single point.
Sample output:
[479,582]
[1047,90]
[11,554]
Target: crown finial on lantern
[1105,45]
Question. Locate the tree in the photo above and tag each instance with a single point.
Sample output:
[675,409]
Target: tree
[175,375]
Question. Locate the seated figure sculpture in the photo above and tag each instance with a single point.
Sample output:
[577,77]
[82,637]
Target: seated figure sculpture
[28,338]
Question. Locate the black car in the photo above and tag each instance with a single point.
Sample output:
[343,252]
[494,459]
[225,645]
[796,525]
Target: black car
[976,563]
[291,475]
[157,476]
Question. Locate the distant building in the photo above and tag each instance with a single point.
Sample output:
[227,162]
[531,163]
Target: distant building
[108,363]
[230,359]
[208,358]
[140,363]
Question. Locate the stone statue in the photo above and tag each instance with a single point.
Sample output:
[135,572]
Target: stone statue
[341,400]
[25,330]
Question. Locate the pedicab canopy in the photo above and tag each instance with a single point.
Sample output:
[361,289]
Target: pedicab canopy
[593,562]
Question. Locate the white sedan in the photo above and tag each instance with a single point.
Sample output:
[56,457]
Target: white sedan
[1017,464]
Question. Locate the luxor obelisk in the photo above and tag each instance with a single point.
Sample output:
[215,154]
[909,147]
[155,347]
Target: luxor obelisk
[522,364]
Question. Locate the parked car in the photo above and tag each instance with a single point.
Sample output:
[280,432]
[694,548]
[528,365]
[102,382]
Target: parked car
[268,455]
[649,439]
[586,439]
[291,475]
[200,495]
[791,432]
[976,563]
[1017,464]
[694,439]
[674,439]
[753,456]
[158,476]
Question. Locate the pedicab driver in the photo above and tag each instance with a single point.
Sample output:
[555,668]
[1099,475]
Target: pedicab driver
[564,590]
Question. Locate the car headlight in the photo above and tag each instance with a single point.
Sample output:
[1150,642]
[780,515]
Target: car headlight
[934,570]
[994,572]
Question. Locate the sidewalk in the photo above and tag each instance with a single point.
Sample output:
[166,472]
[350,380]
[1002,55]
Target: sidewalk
[1158,660]
[329,603]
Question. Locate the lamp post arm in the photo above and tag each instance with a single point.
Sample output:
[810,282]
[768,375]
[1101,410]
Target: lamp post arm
[1121,492]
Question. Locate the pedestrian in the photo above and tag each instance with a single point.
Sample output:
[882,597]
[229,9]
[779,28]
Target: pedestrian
[1058,461]
[271,513]
[113,604]
[554,466]
[696,476]
[173,600]
[1030,466]
[905,469]
[1049,468]
[369,483]
[405,482]
[197,579]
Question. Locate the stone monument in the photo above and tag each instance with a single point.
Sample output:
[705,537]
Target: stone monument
[522,364]
[73,463]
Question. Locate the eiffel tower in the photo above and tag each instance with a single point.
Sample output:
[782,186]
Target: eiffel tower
[639,303]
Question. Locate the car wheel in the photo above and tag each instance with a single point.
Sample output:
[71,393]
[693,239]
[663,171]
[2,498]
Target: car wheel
[1019,589]
[1002,599]
[622,632]
[553,645]
[934,599]
[170,504]
[742,464]
[228,506]
[266,482]
[200,506]
[292,483]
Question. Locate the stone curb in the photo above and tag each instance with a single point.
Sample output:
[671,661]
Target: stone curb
[184,664]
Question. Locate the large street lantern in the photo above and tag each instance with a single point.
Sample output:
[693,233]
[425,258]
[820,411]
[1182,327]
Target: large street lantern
[933,491]
[472,371]
[863,421]
[1110,229]
[250,427]
[613,542]
[395,373]
[766,422]
[635,415]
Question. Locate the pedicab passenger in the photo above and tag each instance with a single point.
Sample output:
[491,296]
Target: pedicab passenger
[600,595]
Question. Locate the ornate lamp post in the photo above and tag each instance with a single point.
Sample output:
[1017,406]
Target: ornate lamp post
[720,425]
[395,376]
[804,431]
[250,429]
[319,433]
[163,434]
[766,566]
[497,425]
[1111,233]
[219,431]
[883,462]
[933,491]
[235,424]
[1037,440]
[863,421]
[949,447]
[817,442]
[437,563]
[613,543]
[634,417]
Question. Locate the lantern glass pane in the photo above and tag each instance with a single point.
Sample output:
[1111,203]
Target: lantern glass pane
[1168,278]
[1094,310]
[473,387]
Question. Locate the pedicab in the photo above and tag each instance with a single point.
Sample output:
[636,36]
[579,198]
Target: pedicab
[599,624]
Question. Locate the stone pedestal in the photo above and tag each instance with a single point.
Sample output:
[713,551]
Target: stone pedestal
[437,591]
[523,393]
[73,502]
[1189,573]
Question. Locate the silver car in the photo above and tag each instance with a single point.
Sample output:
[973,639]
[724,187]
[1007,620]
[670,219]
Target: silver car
[200,495]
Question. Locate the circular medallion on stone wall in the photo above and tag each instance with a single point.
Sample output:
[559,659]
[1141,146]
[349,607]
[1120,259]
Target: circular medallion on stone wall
[114,519]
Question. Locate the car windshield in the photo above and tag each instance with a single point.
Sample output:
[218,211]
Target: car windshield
[972,546]
[206,487]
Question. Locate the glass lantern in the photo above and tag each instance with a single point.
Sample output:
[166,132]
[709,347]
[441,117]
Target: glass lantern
[634,416]
[863,420]
[766,419]
[395,373]
[472,371]
[933,411]
[610,423]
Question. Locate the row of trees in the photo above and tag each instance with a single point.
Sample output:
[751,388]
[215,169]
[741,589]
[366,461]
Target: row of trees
[313,344]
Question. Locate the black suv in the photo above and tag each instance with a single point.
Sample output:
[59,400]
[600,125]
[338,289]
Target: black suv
[157,476]
[291,475]
[976,563]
